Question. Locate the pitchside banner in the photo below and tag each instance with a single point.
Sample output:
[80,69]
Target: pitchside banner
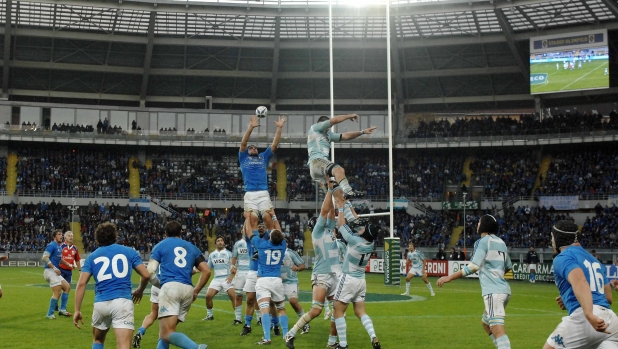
[455,266]
[544,272]
[612,200]
[562,42]
[560,203]
[434,268]
[392,262]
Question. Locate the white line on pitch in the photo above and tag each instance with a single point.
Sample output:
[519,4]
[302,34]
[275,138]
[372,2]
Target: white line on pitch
[583,76]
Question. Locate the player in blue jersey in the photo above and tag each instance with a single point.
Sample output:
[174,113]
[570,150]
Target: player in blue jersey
[52,257]
[111,265]
[253,167]
[492,261]
[352,285]
[269,285]
[174,259]
[240,266]
[319,139]
[251,279]
[584,292]
[220,260]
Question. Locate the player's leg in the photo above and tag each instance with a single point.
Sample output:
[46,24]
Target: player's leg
[238,305]
[274,318]
[270,220]
[533,275]
[278,302]
[0,291]
[339,309]
[123,338]
[98,336]
[320,290]
[148,321]
[173,308]
[408,278]
[359,310]
[55,283]
[494,308]
[428,284]
[291,292]
[231,293]
[251,210]
[64,298]
[338,172]
[212,292]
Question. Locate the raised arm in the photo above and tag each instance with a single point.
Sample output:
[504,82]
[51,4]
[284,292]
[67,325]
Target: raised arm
[252,124]
[355,134]
[279,123]
[327,205]
[341,118]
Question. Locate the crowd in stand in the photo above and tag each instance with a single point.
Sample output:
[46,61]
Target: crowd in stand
[424,230]
[505,174]
[602,229]
[70,128]
[522,125]
[77,171]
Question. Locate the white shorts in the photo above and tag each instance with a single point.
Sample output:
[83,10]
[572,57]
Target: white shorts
[250,282]
[219,284]
[239,282]
[290,291]
[52,279]
[531,267]
[258,201]
[269,287]
[416,272]
[575,331]
[495,303]
[175,299]
[350,289]
[117,313]
[326,281]
[317,169]
[154,294]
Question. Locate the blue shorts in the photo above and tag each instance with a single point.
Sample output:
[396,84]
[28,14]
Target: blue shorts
[66,274]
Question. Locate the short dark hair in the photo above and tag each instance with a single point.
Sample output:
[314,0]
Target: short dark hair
[56,232]
[173,229]
[106,234]
[219,237]
[276,236]
[323,118]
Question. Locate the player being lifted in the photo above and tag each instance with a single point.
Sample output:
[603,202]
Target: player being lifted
[220,261]
[318,145]
[491,260]
[253,167]
[584,291]
[327,267]
[111,265]
[352,285]
[418,267]
[174,259]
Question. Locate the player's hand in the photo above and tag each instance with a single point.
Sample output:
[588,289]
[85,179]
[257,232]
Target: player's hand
[77,318]
[614,284]
[370,130]
[597,323]
[560,303]
[329,184]
[137,296]
[442,281]
[353,117]
[195,293]
[229,279]
[255,122]
[281,121]
[57,271]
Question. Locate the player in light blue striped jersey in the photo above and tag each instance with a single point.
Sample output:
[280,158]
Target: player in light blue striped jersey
[292,263]
[352,285]
[492,261]
[220,260]
[240,265]
[417,263]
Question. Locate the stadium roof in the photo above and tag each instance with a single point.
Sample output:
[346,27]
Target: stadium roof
[450,54]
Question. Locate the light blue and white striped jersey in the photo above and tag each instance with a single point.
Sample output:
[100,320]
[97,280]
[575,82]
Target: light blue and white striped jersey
[342,250]
[220,262]
[492,257]
[417,257]
[290,258]
[325,247]
[319,139]
[241,252]
[357,255]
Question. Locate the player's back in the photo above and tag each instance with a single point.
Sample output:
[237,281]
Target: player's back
[112,266]
[270,257]
[176,259]
[357,256]
[290,259]
[241,252]
[491,255]
[325,247]
[220,262]
[318,140]
[576,257]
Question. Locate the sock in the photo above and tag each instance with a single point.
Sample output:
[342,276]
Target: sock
[429,287]
[258,315]
[503,342]
[248,319]
[493,340]
[366,320]
[274,320]
[266,326]
[284,324]
[209,312]
[305,319]
[408,287]
[238,312]
[326,305]
[347,213]
[341,331]
[345,185]
[53,303]
[300,313]
[162,344]
[332,339]
[64,299]
[532,276]
[182,341]
[141,331]
[97,346]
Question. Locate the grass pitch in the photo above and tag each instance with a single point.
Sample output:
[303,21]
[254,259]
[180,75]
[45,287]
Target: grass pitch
[590,76]
[451,319]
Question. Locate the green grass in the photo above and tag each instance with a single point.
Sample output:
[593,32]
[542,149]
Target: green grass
[590,76]
[451,319]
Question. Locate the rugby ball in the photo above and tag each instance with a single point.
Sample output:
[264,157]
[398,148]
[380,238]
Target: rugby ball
[261,111]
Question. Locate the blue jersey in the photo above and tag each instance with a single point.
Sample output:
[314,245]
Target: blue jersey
[111,267]
[176,258]
[55,254]
[576,257]
[270,257]
[253,169]
[253,264]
